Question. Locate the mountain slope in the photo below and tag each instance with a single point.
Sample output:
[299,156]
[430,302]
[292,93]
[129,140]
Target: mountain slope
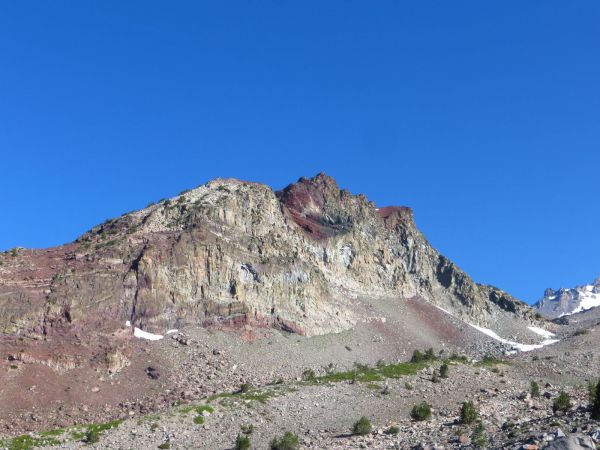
[231,253]
[565,302]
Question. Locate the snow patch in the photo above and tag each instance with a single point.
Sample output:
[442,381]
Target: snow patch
[588,300]
[516,345]
[145,335]
[544,333]
[174,330]
[128,323]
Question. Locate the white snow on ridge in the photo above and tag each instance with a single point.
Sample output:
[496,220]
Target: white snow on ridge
[588,300]
[516,345]
[174,330]
[544,333]
[145,335]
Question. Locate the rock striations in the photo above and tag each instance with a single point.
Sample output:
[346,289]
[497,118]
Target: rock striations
[233,253]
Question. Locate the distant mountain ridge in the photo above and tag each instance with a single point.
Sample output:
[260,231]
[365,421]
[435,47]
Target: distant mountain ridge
[565,302]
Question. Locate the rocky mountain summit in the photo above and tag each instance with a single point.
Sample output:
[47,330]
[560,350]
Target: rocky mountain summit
[566,302]
[230,253]
[234,309]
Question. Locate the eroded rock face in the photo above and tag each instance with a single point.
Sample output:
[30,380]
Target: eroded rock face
[231,253]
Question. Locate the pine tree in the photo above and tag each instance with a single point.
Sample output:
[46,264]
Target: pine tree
[596,405]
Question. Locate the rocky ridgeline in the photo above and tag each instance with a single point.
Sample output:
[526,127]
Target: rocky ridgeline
[231,253]
[565,302]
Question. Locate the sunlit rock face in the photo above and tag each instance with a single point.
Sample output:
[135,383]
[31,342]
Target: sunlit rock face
[232,253]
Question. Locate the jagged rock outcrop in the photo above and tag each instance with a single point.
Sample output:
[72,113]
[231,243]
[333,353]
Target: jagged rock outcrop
[565,302]
[230,253]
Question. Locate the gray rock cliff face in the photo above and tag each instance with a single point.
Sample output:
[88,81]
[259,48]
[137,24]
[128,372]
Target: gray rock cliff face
[231,253]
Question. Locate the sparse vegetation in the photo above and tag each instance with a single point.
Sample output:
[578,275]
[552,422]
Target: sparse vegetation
[92,436]
[534,389]
[562,403]
[393,430]
[592,387]
[246,387]
[364,373]
[468,413]
[247,429]
[242,442]
[165,445]
[444,370]
[27,442]
[490,361]
[459,358]
[362,426]
[421,412]
[417,357]
[252,395]
[596,404]
[289,441]
[309,375]
[479,437]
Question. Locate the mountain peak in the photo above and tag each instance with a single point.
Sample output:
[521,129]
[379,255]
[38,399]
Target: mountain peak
[565,301]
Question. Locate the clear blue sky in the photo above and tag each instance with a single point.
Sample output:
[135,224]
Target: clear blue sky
[482,116]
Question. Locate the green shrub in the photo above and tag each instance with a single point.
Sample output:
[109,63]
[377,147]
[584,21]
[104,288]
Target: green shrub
[417,357]
[534,389]
[429,355]
[309,375]
[592,389]
[289,441]
[242,442]
[246,387]
[561,403]
[444,370]
[408,386]
[468,413]
[435,378]
[421,411]
[362,427]
[459,358]
[479,437]
[247,429]
[165,445]
[393,430]
[596,404]
[92,436]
